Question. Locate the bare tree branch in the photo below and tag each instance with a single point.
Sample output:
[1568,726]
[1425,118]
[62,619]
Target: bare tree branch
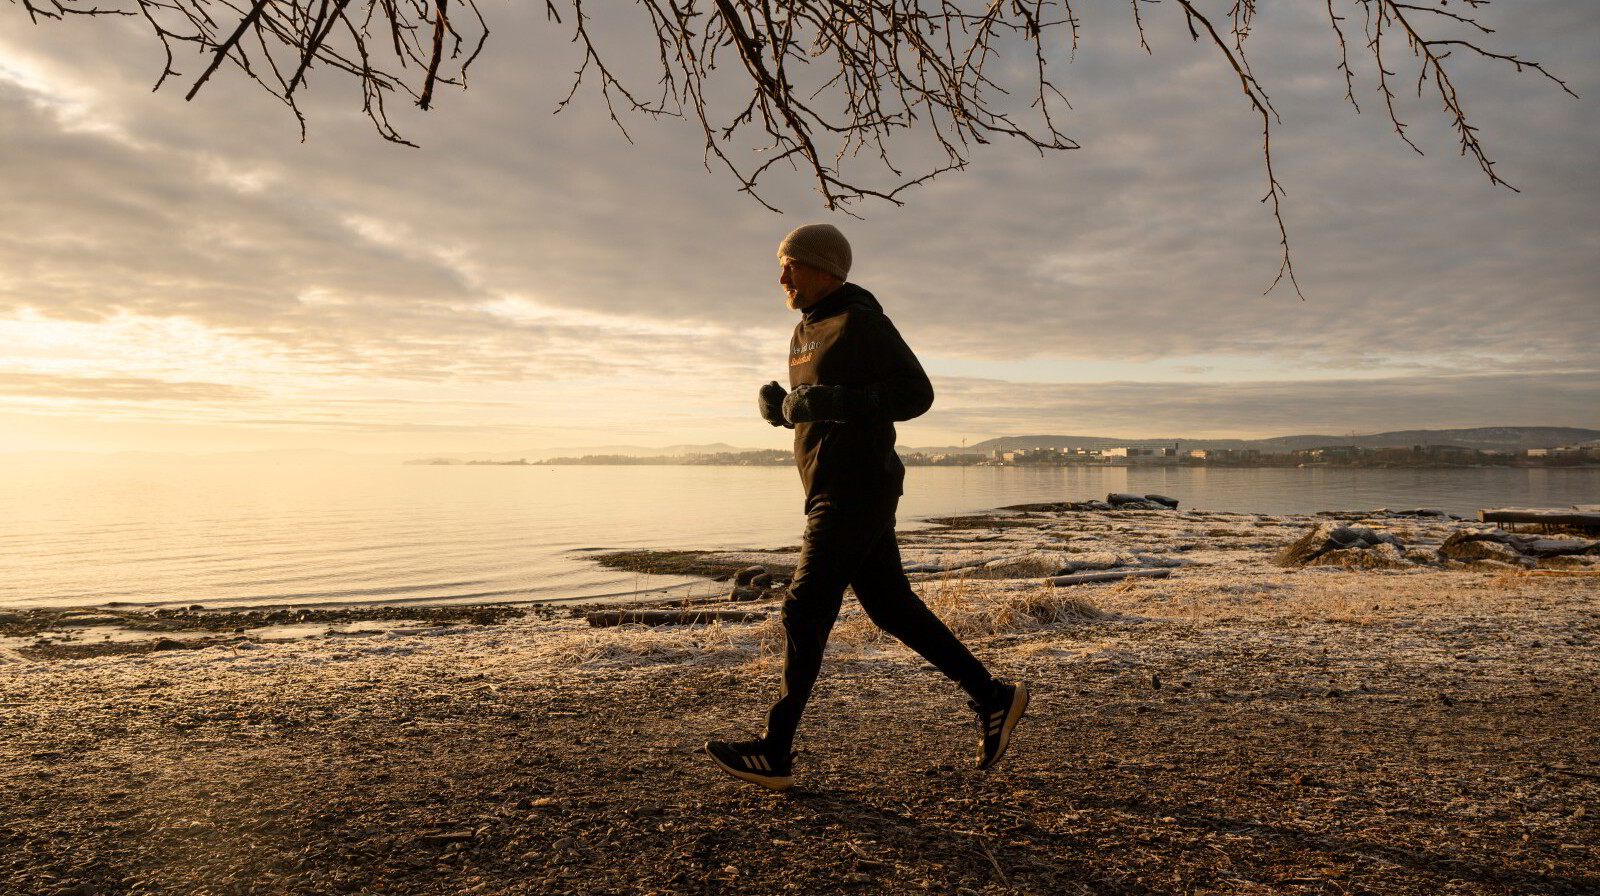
[836,89]
[1263,106]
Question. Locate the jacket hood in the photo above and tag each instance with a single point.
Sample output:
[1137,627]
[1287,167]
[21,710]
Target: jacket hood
[845,296]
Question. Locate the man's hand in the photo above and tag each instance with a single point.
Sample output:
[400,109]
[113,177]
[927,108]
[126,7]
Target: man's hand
[770,401]
[815,404]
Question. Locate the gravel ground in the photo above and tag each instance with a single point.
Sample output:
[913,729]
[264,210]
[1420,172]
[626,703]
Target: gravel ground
[1237,728]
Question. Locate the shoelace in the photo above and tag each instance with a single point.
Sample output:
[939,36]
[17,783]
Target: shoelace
[992,720]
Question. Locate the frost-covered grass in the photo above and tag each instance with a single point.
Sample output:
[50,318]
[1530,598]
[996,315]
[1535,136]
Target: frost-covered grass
[986,584]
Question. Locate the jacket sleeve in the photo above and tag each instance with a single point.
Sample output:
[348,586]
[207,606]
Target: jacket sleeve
[898,388]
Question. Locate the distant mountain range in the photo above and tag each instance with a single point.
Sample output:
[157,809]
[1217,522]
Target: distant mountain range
[1484,438]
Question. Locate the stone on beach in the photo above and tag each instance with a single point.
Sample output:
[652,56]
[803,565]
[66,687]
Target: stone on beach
[1126,501]
[744,576]
[755,583]
[1476,545]
[1330,544]
[1462,546]
[1113,501]
[1359,547]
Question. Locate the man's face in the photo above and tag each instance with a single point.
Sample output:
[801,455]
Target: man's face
[803,284]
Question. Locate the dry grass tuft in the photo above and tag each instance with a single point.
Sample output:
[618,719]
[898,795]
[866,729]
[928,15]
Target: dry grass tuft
[1052,607]
[970,612]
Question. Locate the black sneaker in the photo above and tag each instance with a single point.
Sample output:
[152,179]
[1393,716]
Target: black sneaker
[996,717]
[750,760]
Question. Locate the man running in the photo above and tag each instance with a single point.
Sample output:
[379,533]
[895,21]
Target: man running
[852,377]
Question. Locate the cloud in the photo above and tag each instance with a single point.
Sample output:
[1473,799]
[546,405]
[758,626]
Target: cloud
[118,389]
[1252,409]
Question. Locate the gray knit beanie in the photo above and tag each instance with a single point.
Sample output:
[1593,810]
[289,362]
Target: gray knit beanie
[820,245]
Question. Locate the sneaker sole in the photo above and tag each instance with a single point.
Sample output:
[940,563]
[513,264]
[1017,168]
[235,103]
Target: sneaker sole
[771,782]
[1019,705]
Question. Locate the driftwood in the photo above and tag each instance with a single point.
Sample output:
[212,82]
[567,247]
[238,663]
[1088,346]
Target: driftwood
[607,618]
[1086,577]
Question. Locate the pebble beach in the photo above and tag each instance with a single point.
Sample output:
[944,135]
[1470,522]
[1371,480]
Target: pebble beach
[1394,715]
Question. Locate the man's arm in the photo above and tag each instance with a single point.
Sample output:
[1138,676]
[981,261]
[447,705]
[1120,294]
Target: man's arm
[902,392]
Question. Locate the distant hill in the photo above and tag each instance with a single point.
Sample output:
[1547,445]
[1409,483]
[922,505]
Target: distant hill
[1483,438]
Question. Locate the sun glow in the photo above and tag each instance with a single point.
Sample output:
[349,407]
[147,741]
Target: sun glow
[127,344]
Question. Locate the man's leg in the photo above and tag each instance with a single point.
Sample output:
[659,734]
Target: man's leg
[886,596]
[834,546]
[881,587]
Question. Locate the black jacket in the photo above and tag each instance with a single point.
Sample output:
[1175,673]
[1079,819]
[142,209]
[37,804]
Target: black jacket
[845,340]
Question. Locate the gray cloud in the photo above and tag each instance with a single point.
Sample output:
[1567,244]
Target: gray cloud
[1268,408]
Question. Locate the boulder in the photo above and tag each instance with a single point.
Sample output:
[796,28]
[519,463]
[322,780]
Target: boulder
[743,576]
[1461,546]
[1504,547]
[1423,556]
[1379,556]
[1125,501]
[1328,538]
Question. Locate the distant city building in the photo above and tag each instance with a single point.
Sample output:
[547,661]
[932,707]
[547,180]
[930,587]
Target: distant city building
[1125,455]
[1329,455]
[954,460]
[1030,456]
[1587,451]
[1226,455]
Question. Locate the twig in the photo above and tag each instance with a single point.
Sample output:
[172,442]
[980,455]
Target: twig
[1567,771]
[227,46]
[993,861]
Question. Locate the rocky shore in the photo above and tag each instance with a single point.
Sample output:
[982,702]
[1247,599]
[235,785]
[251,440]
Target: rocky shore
[1260,720]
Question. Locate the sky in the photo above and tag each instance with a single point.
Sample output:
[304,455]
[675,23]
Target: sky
[192,277]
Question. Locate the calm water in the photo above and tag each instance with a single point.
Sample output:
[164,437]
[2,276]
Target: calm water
[229,535]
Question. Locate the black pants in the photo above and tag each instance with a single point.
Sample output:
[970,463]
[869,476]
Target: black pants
[856,547]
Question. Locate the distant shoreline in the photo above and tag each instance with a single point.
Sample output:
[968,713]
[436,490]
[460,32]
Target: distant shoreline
[911,461]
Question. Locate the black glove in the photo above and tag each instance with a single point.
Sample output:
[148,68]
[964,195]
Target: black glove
[770,402]
[815,404]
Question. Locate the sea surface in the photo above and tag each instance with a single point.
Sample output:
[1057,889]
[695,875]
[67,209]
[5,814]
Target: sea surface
[247,536]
